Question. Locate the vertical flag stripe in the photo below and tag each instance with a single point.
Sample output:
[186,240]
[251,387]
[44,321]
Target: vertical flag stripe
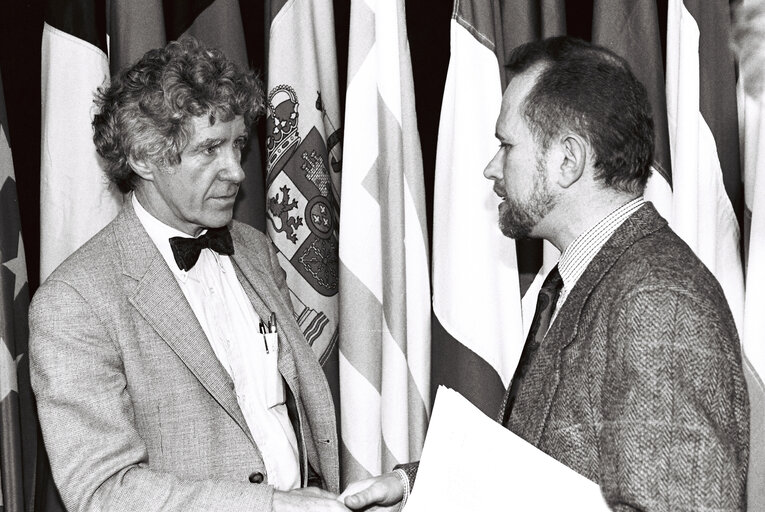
[750,44]
[180,14]
[206,26]
[135,26]
[384,285]
[717,83]
[702,212]
[471,257]
[368,328]
[76,200]
[754,320]
[83,19]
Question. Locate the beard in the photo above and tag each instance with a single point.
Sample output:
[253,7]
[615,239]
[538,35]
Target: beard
[517,218]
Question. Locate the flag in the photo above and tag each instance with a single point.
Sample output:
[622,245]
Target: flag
[303,147]
[707,202]
[632,31]
[703,134]
[478,330]
[750,44]
[18,420]
[384,286]
[76,200]
[754,320]
[136,26]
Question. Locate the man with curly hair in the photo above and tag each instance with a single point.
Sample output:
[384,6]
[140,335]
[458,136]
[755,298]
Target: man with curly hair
[169,371]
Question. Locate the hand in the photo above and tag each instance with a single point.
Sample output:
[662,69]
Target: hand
[308,498]
[385,490]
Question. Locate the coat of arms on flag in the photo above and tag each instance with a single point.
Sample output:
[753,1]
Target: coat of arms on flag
[303,209]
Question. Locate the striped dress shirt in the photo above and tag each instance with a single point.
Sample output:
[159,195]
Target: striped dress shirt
[577,256]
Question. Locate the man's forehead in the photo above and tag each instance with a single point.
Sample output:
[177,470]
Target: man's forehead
[206,124]
[516,93]
[520,85]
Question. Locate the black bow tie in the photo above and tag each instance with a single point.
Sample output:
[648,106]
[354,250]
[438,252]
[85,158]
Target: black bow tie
[186,250]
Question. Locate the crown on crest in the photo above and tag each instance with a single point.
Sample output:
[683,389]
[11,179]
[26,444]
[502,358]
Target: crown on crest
[281,124]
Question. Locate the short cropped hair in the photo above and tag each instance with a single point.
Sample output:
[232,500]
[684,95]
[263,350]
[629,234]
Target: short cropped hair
[146,112]
[592,91]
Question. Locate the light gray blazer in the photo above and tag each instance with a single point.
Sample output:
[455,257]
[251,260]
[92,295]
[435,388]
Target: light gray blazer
[136,411]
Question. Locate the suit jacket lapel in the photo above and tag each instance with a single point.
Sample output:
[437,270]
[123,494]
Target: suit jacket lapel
[532,409]
[161,302]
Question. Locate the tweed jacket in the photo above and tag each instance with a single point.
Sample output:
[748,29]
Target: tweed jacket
[136,411]
[638,384]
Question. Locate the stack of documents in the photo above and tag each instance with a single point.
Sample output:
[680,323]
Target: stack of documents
[471,462]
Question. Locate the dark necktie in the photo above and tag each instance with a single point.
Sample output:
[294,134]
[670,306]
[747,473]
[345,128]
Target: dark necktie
[548,297]
[186,250]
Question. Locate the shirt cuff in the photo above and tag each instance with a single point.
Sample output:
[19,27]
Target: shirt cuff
[404,478]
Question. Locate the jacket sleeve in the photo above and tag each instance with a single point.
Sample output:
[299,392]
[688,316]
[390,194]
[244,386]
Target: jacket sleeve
[98,459]
[675,430]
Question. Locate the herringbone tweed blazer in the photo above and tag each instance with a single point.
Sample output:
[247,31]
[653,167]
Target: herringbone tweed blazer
[136,411]
[638,384]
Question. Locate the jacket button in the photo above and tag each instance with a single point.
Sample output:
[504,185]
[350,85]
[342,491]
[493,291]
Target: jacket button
[256,477]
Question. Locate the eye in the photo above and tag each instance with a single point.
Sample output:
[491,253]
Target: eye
[240,142]
[210,150]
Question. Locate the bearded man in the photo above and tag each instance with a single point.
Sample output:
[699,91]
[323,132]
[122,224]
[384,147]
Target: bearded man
[631,373]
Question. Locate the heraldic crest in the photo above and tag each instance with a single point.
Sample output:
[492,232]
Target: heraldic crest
[302,207]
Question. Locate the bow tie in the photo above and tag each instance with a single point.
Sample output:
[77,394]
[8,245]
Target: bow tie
[186,250]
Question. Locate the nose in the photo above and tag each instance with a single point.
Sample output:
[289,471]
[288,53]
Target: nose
[231,166]
[493,170]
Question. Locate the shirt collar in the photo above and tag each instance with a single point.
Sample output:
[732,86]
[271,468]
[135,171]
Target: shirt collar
[160,233]
[577,256]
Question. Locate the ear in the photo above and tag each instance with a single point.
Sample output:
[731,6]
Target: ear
[143,168]
[574,153]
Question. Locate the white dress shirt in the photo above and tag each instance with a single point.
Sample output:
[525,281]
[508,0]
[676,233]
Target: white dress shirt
[232,326]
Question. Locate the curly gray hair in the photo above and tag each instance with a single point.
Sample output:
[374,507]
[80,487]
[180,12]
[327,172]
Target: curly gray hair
[145,114]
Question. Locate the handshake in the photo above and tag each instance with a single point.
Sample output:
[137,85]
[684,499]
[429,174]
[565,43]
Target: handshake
[383,492]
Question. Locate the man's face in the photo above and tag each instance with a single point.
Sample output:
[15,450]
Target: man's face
[518,168]
[200,191]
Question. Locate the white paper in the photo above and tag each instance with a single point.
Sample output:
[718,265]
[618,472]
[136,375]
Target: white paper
[471,462]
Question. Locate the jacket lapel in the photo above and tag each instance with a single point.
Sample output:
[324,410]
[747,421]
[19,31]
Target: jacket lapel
[532,409]
[159,299]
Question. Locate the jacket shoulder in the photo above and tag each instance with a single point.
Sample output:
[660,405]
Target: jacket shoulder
[663,259]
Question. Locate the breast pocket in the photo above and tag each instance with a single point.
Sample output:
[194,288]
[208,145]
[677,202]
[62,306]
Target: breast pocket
[275,395]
